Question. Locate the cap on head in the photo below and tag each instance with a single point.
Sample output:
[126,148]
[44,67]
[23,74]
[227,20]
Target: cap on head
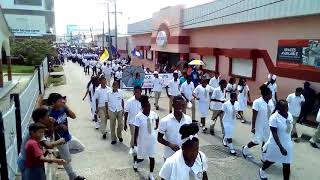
[155,72]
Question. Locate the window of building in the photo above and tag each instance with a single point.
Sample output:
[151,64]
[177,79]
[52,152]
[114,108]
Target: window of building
[28,2]
[242,67]
[210,63]
[149,54]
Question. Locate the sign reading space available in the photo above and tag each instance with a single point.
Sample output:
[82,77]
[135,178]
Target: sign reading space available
[303,51]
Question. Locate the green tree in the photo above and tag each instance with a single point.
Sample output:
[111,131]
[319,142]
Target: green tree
[33,50]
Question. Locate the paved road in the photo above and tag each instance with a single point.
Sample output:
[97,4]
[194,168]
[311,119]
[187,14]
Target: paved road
[102,161]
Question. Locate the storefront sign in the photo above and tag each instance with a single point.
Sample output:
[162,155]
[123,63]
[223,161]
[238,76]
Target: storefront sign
[305,52]
[165,78]
[162,38]
[26,25]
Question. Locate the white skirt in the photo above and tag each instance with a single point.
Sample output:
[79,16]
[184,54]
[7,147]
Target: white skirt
[273,154]
[228,129]
[146,147]
[242,104]
[262,133]
[203,109]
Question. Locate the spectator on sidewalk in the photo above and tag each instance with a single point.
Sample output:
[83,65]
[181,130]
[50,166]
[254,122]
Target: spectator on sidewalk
[60,112]
[295,102]
[115,106]
[189,162]
[39,115]
[35,156]
[145,137]
[131,109]
[169,126]
[157,87]
[310,96]
[100,99]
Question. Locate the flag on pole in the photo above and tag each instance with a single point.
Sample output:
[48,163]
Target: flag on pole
[105,56]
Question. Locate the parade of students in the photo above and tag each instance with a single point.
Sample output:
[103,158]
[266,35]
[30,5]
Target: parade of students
[214,81]
[231,87]
[107,72]
[173,89]
[272,85]
[186,90]
[157,87]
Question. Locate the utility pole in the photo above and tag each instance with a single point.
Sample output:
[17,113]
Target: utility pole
[109,39]
[116,25]
[103,35]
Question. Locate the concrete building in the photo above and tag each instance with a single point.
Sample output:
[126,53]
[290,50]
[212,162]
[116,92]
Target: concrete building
[237,38]
[27,18]
[5,34]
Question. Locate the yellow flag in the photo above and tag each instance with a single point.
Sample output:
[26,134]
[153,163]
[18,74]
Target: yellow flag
[104,56]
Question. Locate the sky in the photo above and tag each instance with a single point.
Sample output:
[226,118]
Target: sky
[88,14]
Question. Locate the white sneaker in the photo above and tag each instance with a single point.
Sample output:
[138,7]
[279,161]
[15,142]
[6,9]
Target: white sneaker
[224,142]
[263,174]
[204,129]
[97,125]
[151,177]
[131,151]
[231,149]
[135,166]
[246,152]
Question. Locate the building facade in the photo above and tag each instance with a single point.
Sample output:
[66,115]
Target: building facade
[30,18]
[237,38]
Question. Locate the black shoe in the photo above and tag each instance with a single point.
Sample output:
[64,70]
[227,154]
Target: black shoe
[80,178]
[113,142]
[104,136]
[120,139]
[314,145]
[157,108]
[170,112]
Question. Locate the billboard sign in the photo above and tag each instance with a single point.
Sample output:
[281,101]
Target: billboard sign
[26,25]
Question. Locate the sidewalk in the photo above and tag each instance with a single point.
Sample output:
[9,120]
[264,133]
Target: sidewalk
[102,161]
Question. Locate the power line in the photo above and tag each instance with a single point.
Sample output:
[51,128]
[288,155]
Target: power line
[223,16]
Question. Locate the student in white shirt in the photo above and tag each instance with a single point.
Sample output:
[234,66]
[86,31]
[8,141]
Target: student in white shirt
[279,147]
[169,126]
[189,162]
[295,101]
[231,87]
[86,65]
[186,90]
[145,137]
[91,88]
[173,89]
[214,81]
[272,85]
[115,106]
[262,109]
[100,98]
[118,76]
[316,136]
[131,109]
[107,72]
[157,87]
[243,97]
[230,110]
[202,93]
[217,99]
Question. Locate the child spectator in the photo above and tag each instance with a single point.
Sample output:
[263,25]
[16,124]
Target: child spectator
[34,155]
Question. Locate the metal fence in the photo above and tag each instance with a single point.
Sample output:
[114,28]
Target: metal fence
[14,122]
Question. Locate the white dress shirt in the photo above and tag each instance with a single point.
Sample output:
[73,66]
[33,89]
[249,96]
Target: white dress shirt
[132,107]
[157,84]
[187,90]
[174,87]
[114,100]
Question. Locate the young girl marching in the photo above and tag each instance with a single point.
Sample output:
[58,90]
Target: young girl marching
[145,136]
[262,109]
[243,97]
[230,109]
[279,147]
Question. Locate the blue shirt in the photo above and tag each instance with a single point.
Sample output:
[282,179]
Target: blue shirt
[137,82]
[60,117]
[182,80]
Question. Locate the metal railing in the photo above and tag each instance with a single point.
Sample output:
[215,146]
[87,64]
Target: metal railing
[14,122]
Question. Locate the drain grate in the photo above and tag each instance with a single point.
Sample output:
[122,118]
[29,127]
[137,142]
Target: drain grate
[215,151]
